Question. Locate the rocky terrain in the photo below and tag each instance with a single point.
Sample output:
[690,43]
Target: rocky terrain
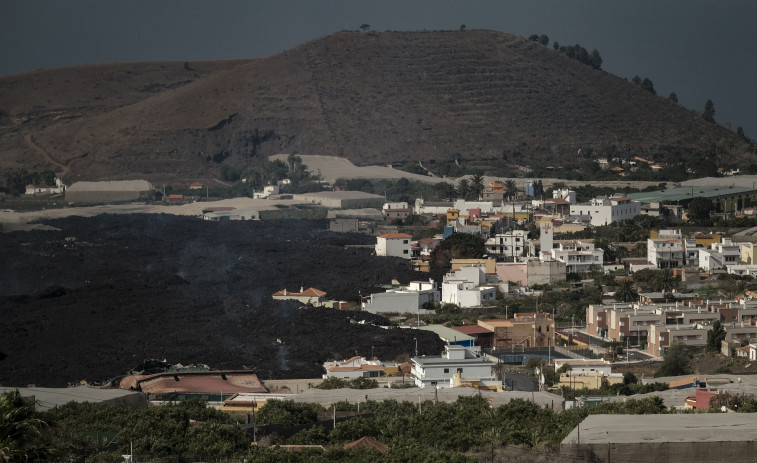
[99,295]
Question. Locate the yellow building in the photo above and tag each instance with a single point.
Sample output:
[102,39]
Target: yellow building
[489,264]
[588,379]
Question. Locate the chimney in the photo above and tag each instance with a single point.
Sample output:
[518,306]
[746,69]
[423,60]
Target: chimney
[302,289]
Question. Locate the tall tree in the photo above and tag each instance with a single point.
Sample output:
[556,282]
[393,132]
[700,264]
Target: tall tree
[699,210]
[709,111]
[647,85]
[715,336]
[512,188]
[673,97]
[463,188]
[477,184]
[595,59]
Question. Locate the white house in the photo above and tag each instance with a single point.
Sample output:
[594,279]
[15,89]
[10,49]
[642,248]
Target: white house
[268,190]
[667,250]
[720,255]
[604,211]
[578,255]
[567,195]
[509,245]
[456,364]
[355,367]
[408,299]
[393,245]
[463,289]
[46,189]
[398,210]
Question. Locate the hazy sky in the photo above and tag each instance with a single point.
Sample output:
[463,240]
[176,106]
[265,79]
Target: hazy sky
[699,49]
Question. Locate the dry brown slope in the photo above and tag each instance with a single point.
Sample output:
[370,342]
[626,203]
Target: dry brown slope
[370,97]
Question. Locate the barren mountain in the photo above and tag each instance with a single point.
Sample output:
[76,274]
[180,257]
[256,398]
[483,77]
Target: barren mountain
[487,96]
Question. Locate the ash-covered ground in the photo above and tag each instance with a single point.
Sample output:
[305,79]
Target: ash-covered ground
[103,294]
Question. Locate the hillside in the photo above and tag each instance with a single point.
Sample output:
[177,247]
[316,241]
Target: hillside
[491,98]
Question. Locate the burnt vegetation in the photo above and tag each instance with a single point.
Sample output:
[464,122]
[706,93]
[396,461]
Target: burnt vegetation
[102,295]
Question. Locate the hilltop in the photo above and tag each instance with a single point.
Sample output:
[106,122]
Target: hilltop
[493,99]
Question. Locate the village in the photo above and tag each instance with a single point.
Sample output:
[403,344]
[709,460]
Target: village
[529,247]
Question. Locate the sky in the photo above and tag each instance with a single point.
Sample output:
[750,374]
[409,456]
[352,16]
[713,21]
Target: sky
[699,49]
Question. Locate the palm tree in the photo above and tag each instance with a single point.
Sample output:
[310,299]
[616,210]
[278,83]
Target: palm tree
[664,281]
[477,184]
[512,188]
[23,435]
[626,292]
[463,188]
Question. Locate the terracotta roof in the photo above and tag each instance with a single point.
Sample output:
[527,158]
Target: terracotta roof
[195,382]
[395,236]
[368,443]
[310,292]
[363,367]
[427,240]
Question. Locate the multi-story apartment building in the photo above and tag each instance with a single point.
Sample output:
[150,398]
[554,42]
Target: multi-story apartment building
[666,249]
[604,210]
[578,255]
[508,246]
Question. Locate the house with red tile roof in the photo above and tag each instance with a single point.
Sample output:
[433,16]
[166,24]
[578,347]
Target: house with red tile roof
[306,296]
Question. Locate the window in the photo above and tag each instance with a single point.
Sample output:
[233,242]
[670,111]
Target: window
[446,370]
[405,241]
[405,251]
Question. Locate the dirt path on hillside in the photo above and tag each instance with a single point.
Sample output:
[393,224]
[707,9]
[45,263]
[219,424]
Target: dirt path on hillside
[52,159]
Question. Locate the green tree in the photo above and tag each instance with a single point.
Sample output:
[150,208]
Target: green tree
[24,436]
[458,246]
[715,336]
[462,27]
[595,59]
[477,184]
[289,412]
[675,361]
[544,39]
[699,210]
[463,188]
[664,281]
[365,27]
[626,292]
[512,189]
[709,111]
[647,85]
[673,97]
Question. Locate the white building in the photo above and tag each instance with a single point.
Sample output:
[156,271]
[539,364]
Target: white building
[567,195]
[393,245]
[578,255]
[456,364]
[398,210]
[667,251]
[604,211]
[432,207]
[742,269]
[355,367]
[509,245]
[463,289]
[268,190]
[720,255]
[408,299]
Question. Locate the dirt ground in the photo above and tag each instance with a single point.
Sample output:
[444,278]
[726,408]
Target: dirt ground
[96,296]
